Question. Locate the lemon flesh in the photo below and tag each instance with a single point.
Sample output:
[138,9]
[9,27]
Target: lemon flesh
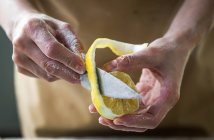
[122,106]
[109,107]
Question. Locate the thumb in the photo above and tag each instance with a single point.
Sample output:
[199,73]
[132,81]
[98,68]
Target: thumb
[130,62]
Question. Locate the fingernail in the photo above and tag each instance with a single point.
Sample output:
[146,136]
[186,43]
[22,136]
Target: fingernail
[90,108]
[100,120]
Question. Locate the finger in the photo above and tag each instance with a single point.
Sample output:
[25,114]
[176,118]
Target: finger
[146,121]
[20,44]
[130,62]
[29,65]
[110,124]
[146,82]
[66,36]
[48,44]
[131,121]
[52,67]
[26,72]
[92,109]
[149,117]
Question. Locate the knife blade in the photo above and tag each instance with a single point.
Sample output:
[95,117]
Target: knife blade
[110,86]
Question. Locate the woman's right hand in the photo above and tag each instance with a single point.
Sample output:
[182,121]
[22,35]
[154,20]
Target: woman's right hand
[46,48]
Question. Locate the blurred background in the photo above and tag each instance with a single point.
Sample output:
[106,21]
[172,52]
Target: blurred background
[9,124]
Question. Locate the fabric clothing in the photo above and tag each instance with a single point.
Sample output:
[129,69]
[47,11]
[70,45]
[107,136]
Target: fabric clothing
[60,108]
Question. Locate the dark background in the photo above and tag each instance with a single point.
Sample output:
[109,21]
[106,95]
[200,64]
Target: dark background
[9,124]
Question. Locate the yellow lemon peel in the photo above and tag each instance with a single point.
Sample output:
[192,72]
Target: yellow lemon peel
[109,107]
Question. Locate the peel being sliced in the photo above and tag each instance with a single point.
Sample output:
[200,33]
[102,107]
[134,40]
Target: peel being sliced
[109,107]
[122,106]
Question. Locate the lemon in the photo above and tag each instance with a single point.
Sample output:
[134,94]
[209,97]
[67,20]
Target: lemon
[110,107]
[122,106]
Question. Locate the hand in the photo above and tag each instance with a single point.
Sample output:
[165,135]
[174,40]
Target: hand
[162,65]
[46,48]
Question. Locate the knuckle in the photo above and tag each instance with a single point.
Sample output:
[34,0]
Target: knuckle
[16,58]
[66,26]
[17,42]
[50,67]
[51,49]
[154,49]
[32,25]
[33,22]
[125,61]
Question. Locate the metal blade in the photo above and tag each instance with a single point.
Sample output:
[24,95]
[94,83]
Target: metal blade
[110,86]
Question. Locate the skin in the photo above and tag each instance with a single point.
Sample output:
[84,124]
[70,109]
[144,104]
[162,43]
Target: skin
[43,47]
[47,48]
[162,65]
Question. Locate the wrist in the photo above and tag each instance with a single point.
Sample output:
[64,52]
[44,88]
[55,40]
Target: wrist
[187,40]
[14,20]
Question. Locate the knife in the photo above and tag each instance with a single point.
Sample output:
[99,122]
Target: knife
[110,86]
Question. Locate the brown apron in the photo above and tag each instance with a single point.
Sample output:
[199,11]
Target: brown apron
[60,108]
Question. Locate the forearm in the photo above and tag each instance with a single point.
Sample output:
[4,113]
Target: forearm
[192,22]
[10,10]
